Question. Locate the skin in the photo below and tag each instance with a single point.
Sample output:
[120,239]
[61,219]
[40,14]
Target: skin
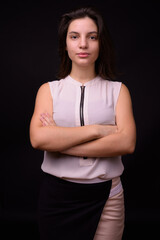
[82,37]
[92,140]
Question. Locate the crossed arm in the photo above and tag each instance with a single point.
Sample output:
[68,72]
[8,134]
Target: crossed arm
[89,141]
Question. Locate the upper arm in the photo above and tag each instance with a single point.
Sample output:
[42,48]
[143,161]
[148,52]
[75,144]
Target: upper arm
[124,114]
[43,104]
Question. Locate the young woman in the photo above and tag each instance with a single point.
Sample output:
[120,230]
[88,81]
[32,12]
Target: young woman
[84,123]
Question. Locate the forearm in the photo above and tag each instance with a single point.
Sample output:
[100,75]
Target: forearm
[47,136]
[53,138]
[113,145]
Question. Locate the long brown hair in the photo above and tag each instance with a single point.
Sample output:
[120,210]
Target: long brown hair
[105,64]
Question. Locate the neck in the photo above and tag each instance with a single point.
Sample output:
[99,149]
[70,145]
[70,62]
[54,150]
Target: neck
[83,74]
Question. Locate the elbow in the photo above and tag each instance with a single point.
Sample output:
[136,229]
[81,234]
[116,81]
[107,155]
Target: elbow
[129,143]
[40,140]
[34,143]
[38,144]
[130,147]
[35,137]
[36,140]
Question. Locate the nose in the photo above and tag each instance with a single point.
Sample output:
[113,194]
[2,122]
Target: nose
[83,43]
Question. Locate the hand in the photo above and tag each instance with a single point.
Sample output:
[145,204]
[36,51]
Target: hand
[105,130]
[47,120]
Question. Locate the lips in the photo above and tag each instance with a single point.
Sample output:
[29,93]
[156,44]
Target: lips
[83,54]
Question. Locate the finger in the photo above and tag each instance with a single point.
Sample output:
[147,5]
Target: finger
[43,120]
[50,119]
[44,116]
[47,119]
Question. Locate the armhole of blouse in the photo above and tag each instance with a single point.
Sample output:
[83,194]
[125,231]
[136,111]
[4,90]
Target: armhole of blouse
[117,90]
[51,88]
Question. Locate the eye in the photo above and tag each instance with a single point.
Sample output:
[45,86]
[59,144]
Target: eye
[93,37]
[74,37]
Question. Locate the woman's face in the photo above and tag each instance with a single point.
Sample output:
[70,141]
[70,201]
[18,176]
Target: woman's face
[82,42]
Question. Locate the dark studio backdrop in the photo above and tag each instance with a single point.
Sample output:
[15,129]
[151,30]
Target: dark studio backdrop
[29,58]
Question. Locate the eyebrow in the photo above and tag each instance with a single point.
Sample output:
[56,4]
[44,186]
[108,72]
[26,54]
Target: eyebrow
[87,33]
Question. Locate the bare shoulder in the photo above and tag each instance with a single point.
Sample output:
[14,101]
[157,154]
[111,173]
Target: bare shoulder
[124,94]
[124,103]
[43,92]
[44,88]
[43,99]
[124,89]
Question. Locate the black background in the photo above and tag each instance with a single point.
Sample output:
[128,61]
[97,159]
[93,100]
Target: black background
[29,58]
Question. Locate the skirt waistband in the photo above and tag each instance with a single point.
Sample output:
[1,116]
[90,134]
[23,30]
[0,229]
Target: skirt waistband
[79,190]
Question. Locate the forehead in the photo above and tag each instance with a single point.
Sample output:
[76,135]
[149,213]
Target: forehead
[82,24]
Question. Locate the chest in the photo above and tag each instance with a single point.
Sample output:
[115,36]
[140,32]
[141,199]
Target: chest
[77,105]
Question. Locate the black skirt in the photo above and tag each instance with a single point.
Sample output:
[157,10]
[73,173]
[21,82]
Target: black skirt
[70,211]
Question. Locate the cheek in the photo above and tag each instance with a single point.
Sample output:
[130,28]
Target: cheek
[71,49]
[96,51]
[70,52]
[70,55]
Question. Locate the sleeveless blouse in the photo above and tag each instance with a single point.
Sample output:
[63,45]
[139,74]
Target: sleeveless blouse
[76,105]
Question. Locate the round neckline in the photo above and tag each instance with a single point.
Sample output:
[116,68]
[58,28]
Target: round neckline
[90,82]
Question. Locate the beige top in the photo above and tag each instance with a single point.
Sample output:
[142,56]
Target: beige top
[98,107]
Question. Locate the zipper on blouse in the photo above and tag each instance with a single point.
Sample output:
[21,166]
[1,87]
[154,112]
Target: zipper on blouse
[81,108]
[81,105]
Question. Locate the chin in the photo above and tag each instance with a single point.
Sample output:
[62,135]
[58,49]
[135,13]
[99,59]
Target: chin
[84,63]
